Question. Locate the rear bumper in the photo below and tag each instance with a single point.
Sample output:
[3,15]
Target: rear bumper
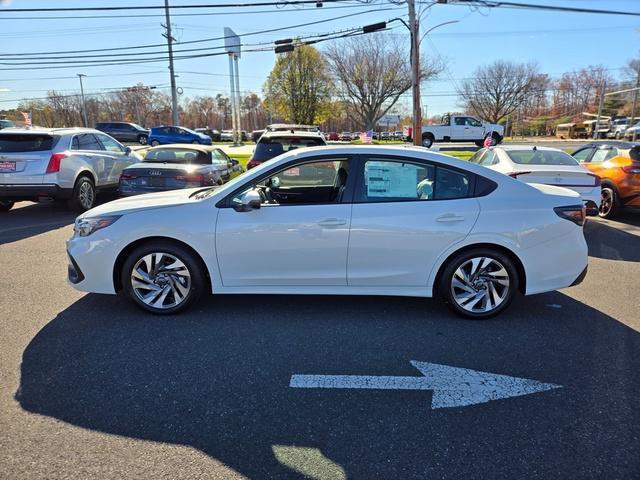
[33,192]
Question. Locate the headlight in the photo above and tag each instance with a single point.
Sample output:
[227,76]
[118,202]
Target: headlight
[84,227]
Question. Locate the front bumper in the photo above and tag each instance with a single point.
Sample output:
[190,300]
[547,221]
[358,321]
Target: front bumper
[33,191]
[581,277]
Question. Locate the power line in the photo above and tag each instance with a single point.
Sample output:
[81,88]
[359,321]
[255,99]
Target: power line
[281,3]
[533,6]
[202,40]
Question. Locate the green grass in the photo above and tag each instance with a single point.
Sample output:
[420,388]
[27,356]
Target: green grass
[459,155]
[243,158]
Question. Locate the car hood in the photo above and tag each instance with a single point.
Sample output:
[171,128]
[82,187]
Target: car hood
[147,201]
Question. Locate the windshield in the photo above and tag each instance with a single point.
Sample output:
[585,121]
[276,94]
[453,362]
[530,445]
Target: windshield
[177,155]
[541,157]
[271,147]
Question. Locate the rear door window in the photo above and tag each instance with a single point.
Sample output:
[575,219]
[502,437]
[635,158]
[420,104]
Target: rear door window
[18,142]
[86,141]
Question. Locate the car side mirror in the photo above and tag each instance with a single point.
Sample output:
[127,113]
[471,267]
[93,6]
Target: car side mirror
[275,182]
[250,200]
[127,151]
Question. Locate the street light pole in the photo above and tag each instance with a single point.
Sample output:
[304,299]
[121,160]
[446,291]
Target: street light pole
[415,73]
[84,104]
[634,104]
[603,87]
[174,95]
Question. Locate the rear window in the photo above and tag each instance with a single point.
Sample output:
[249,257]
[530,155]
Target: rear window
[541,157]
[268,148]
[177,155]
[16,142]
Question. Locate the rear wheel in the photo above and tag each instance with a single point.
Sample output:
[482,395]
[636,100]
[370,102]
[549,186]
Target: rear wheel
[155,143]
[6,205]
[83,197]
[479,284]
[608,204]
[195,142]
[427,140]
[162,278]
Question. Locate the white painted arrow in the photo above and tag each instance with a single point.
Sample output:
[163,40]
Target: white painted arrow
[452,386]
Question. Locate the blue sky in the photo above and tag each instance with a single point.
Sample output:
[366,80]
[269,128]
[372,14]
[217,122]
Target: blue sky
[558,42]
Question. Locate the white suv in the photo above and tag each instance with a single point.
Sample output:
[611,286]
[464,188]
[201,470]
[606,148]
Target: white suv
[71,164]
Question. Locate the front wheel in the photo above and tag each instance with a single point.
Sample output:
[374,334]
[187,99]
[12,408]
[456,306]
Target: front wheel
[6,205]
[155,143]
[162,278]
[142,139]
[479,284]
[608,204]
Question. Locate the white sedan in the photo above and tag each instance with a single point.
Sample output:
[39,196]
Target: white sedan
[345,220]
[550,166]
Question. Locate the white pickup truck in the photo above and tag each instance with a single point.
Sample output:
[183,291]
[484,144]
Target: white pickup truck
[461,128]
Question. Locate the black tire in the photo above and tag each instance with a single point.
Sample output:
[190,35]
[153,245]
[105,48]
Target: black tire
[142,139]
[196,287]
[479,283]
[155,143]
[427,140]
[83,197]
[195,142]
[6,205]
[609,203]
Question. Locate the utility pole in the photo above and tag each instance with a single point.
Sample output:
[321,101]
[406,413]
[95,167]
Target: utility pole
[415,73]
[174,95]
[84,104]
[635,104]
[603,87]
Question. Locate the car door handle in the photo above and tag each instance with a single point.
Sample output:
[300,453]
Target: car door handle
[449,217]
[332,222]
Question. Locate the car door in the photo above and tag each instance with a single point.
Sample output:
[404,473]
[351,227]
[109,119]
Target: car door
[405,214]
[91,150]
[119,158]
[474,130]
[300,243]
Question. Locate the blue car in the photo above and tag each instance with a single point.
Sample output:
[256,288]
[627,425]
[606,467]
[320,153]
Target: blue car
[164,135]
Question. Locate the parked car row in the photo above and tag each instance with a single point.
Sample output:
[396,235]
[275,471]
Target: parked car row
[78,164]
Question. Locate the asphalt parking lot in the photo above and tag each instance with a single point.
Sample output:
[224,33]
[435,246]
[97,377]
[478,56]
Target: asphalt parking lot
[94,388]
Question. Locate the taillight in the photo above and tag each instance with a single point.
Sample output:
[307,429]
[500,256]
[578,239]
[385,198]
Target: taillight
[633,168]
[127,176]
[515,174]
[54,162]
[574,213]
[596,177]
[191,178]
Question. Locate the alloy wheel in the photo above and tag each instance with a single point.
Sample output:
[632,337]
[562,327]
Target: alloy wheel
[480,285]
[161,280]
[607,202]
[86,194]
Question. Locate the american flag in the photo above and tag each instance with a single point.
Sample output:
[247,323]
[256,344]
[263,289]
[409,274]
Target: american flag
[488,140]
[27,118]
[366,137]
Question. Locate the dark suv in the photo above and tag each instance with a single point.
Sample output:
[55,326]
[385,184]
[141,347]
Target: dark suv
[125,131]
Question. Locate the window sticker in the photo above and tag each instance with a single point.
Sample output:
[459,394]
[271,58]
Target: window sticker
[391,179]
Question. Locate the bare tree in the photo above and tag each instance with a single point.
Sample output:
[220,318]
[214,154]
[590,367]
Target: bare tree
[498,89]
[372,72]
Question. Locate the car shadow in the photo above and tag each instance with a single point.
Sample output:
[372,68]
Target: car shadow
[611,243]
[216,378]
[28,219]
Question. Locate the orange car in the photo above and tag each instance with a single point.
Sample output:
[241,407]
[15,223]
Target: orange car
[618,166]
